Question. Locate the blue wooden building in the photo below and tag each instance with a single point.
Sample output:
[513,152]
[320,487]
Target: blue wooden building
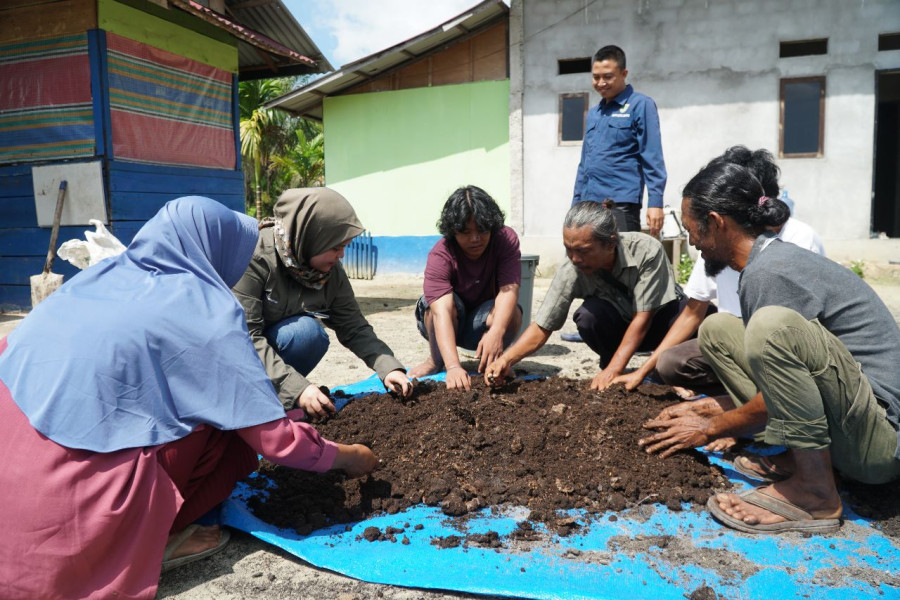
[134,101]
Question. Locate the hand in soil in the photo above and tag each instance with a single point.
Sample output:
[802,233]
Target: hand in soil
[355,460]
[315,403]
[458,379]
[603,379]
[399,383]
[704,407]
[682,433]
[489,349]
[630,380]
[496,373]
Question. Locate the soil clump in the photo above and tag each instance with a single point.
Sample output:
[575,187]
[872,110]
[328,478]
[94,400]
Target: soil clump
[547,445]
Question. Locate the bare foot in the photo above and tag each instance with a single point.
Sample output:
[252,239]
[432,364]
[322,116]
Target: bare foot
[426,368]
[202,539]
[820,508]
[772,467]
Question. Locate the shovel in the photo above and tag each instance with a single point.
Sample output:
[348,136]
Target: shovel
[46,283]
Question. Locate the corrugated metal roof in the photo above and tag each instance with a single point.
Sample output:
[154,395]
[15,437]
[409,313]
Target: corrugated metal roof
[270,41]
[307,100]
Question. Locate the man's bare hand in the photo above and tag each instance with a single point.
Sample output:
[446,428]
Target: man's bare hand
[603,379]
[458,379]
[497,372]
[675,434]
[489,349]
[655,219]
[630,380]
[705,407]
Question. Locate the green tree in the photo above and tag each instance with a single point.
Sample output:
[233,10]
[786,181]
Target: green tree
[262,133]
[303,163]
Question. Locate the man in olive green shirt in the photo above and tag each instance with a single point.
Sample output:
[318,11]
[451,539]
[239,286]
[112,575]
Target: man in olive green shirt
[630,294]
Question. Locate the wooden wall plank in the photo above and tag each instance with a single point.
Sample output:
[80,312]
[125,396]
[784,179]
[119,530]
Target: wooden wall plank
[34,21]
[17,270]
[141,206]
[15,297]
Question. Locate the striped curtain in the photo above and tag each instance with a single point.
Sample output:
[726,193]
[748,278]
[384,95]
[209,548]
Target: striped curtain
[45,100]
[168,109]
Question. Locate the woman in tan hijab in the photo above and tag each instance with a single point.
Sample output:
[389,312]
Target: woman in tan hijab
[295,284]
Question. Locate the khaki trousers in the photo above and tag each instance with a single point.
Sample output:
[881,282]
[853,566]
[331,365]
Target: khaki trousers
[815,394]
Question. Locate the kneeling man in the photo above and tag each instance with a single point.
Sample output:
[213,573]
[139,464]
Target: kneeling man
[813,361]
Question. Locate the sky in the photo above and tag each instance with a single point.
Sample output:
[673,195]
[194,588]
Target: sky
[347,30]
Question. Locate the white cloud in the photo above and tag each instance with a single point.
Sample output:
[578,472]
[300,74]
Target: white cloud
[362,27]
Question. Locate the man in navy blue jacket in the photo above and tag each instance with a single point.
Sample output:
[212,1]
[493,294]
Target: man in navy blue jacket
[622,148]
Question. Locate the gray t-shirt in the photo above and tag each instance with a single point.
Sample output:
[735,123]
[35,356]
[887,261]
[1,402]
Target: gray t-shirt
[642,272]
[783,274]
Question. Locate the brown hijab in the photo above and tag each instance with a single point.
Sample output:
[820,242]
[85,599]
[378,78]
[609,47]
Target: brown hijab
[307,222]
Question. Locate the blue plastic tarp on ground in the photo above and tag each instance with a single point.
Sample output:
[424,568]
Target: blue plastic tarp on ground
[644,552]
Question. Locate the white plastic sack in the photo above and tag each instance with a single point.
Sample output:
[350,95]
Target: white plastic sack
[100,244]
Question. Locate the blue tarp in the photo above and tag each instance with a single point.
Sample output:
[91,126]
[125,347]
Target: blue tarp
[644,552]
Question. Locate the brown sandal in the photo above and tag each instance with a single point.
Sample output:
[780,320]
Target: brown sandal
[765,469]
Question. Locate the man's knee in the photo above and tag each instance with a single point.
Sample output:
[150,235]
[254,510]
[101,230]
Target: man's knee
[771,322]
[669,365]
[716,326]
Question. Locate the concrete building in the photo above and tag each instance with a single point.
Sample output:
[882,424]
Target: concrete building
[406,126]
[816,82]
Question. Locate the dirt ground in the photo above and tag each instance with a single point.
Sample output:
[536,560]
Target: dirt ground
[249,567]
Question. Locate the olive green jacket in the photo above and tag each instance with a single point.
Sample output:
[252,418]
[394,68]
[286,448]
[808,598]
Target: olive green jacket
[269,295]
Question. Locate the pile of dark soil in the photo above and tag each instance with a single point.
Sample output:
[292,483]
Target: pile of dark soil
[547,445]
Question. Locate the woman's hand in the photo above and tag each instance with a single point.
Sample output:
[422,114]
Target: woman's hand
[355,460]
[314,402]
[399,383]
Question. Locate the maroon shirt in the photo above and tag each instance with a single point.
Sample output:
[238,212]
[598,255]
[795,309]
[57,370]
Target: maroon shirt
[475,281]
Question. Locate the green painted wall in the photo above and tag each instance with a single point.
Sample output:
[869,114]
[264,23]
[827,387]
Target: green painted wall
[397,156]
[171,31]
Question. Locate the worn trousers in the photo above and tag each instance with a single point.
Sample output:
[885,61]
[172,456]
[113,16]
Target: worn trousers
[815,394]
[602,327]
[205,466]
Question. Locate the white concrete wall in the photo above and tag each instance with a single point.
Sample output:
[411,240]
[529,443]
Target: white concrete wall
[713,68]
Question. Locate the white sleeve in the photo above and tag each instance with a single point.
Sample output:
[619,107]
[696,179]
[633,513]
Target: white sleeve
[801,234]
[699,286]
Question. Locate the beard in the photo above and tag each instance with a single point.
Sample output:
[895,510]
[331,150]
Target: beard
[713,267]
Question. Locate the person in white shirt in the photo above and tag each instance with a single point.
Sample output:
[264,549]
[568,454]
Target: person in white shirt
[677,359]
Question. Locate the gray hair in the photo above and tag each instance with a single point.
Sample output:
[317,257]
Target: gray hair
[596,215]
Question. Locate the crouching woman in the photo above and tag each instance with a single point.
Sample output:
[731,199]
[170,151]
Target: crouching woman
[131,402]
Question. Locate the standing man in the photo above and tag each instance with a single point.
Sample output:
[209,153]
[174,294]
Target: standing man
[622,148]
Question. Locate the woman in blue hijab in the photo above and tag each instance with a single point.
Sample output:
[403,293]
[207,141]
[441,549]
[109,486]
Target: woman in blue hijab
[131,401]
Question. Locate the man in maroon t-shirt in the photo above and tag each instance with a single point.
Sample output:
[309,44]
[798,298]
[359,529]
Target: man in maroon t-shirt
[471,287]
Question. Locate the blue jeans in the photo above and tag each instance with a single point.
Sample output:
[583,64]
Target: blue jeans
[471,326]
[300,341]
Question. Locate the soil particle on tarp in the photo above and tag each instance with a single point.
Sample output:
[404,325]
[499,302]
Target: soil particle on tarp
[547,445]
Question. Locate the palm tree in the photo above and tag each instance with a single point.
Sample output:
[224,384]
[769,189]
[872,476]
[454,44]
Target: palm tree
[303,164]
[262,130]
